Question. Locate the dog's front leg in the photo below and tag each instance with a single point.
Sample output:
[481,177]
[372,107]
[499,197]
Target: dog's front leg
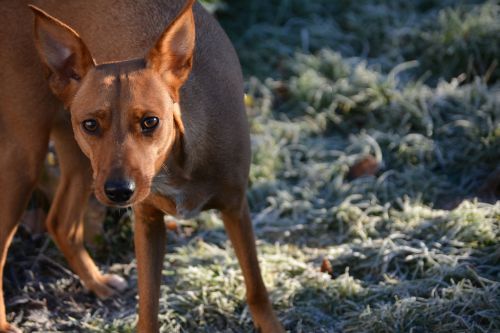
[239,229]
[149,239]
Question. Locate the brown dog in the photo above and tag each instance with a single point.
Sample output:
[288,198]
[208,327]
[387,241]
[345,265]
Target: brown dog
[163,131]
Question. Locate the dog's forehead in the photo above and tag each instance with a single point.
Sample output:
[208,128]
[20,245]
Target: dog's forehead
[122,85]
[118,68]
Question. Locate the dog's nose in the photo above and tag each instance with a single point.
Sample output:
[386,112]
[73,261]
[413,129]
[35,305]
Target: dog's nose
[119,191]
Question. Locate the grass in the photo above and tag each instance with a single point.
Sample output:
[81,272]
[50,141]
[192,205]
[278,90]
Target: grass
[412,245]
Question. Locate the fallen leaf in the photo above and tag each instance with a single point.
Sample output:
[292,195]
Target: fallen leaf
[366,166]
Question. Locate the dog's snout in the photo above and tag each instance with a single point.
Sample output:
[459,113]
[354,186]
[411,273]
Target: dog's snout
[119,191]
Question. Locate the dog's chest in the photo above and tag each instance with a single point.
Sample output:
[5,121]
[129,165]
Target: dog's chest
[187,204]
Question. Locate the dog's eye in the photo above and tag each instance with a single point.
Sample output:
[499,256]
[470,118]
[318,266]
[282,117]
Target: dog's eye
[149,123]
[90,125]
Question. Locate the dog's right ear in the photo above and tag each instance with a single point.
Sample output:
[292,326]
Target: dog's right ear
[62,51]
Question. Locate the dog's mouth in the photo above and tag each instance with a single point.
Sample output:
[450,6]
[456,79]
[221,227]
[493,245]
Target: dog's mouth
[115,204]
[119,205]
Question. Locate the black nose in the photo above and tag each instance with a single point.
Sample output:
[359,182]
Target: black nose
[119,191]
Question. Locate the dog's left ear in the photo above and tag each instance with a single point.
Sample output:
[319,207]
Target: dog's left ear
[172,56]
[63,52]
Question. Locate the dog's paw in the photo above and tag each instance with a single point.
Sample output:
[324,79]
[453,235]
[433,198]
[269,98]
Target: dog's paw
[106,286]
[116,282]
[265,320]
[271,328]
[8,328]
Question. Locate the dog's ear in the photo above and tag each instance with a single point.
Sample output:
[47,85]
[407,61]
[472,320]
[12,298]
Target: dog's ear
[62,51]
[172,56]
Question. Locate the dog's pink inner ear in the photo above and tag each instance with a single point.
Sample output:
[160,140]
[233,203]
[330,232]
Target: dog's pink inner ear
[60,58]
[172,56]
[60,48]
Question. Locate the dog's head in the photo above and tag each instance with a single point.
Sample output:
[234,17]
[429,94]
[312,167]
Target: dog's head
[125,115]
